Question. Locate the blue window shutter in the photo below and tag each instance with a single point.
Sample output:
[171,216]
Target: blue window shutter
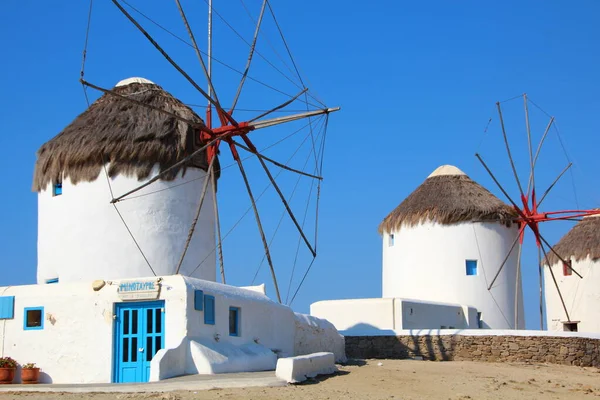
[471,267]
[7,307]
[53,280]
[198,300]
[209,310]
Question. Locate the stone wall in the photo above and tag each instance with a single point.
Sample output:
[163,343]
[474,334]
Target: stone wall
[539,349]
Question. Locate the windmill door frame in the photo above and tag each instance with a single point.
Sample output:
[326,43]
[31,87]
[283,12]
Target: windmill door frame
[139,332]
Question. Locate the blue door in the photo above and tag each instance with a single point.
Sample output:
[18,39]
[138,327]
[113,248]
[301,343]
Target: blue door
[139,334]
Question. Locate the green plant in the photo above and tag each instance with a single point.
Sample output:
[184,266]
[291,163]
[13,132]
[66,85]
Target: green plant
[7,362]
[28,366]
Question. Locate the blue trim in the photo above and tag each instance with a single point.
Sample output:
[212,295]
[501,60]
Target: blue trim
[53,280]
[33,328]
[142,335]
[236,327]
[471,266]
[209,309]
[7,307]
[57,189]
[198,300]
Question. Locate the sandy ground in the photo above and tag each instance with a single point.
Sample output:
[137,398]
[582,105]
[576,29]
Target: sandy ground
[400,379]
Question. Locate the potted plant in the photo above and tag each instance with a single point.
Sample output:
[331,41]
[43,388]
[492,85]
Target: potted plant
[30,373]
[8,367]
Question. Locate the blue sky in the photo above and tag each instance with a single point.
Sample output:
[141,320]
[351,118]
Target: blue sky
[417,83]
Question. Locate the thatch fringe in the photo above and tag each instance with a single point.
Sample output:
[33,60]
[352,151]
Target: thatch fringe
[448,199]
[131,138]
[581,241]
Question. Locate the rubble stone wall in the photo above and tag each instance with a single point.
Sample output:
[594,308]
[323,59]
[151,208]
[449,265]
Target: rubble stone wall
[583,352]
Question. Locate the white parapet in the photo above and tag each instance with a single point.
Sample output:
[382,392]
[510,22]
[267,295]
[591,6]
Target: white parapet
[298,369]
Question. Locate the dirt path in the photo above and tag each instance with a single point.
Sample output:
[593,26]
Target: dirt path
[401,379]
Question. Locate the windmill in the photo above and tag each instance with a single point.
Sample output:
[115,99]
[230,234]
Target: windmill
[223,129]
[528,206]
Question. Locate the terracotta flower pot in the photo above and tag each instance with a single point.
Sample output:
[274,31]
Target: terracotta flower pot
[7,375]
[30,375]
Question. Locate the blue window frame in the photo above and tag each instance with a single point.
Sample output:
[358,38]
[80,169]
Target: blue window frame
[391,240]
[198,300]
[33,318]
[7,307]
[53,280]
[234,321]
[57,189]
[471,267]
[209,309]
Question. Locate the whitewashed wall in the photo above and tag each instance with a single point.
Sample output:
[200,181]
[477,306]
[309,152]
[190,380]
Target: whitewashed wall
[81,237]
[76,344]
[391,314]
[427,262]
[269,323]
[582,296]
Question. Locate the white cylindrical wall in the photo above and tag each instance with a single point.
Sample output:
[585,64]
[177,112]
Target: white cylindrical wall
[81,237]
[581,296]
[428,262]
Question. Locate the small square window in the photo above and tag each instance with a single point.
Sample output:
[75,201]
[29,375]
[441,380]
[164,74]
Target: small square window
[471,267]
[34,318]
[57,189]
[234,321]
[567,271]
[391,240]
[570,326]
[209,309]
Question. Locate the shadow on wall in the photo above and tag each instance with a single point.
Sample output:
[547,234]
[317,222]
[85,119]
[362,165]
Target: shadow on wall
[367,341]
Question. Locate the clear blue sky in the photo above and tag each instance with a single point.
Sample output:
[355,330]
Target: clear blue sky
[417,82]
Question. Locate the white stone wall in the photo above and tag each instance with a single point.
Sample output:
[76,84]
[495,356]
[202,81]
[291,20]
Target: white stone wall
[581,296]
[387,315]
[82,238]
[427,262]
[269,323]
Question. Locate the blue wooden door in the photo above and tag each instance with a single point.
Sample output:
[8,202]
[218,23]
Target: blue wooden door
[139,334]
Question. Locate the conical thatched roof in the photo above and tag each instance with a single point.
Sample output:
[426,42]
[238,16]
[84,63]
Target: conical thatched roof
[131,137]
[580,242]
[448,196]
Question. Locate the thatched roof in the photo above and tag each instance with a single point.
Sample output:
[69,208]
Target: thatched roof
[128,136]
[580,242]
[448,196]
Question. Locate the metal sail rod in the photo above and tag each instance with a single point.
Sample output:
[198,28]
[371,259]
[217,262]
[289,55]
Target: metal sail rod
[249,61]
[512,164]
[195,220]
[507,257]
[282,120]
[211,89]
[218,228]
[287,207]
[556,285]
[260,228]
[532,176]
[500,186]
[173,63]
[290,101]
[537,153]
[554,183]
[280,165]
[558,255]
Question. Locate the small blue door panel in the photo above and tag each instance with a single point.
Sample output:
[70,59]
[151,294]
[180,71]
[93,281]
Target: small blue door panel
[139,334]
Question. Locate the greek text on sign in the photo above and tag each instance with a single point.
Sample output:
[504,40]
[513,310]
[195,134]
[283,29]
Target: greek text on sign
[139,290]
